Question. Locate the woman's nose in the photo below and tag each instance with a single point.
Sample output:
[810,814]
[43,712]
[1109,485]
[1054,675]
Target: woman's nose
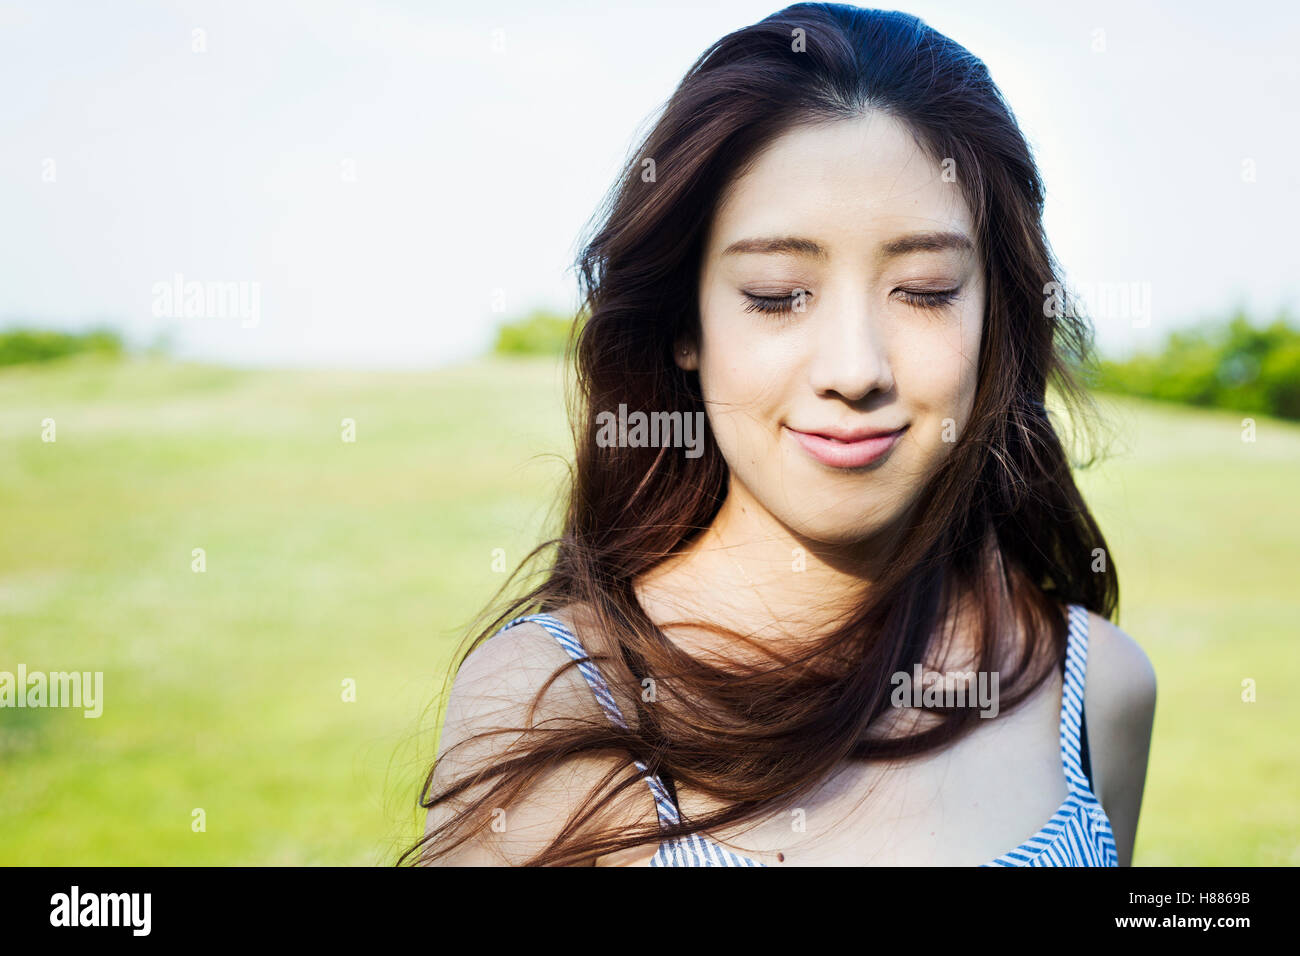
[851,355]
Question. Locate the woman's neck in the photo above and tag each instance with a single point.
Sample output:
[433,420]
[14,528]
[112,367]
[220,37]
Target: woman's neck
[750,572]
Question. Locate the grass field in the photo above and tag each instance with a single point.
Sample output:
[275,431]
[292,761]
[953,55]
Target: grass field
[330,561]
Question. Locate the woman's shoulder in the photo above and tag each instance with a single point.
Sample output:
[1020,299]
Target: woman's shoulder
[526,672]
[1120,682]
[516,662]
[516,684]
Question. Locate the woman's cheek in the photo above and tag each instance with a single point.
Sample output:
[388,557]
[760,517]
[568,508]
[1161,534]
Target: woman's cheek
[751,378]
[730,399]
[936,380]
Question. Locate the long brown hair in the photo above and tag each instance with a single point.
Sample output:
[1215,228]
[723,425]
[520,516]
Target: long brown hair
[1000,526]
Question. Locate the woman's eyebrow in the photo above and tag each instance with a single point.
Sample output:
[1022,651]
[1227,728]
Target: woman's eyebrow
[925,242]
[811,248]
[778,245]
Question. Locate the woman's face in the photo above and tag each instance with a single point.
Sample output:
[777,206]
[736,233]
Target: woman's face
[841,303]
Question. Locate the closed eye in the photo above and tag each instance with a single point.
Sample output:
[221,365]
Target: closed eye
[929,300]
[776,303]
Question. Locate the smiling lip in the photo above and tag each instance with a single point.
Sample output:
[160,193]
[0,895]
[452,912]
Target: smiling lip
[847,449]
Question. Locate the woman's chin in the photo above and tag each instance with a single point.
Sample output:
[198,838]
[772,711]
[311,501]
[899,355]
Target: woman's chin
[841,530]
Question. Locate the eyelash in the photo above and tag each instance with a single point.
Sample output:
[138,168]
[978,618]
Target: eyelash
[930,300]
[772,303]
[785,303]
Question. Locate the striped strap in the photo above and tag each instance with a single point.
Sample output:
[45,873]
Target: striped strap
[667,812]
[1076,665]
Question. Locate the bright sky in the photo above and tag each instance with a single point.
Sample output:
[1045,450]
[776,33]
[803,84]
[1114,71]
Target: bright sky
[391,180]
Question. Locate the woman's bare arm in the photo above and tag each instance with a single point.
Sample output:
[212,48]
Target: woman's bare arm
[1120,701]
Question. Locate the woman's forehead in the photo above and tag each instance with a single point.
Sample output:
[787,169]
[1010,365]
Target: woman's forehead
[849,182]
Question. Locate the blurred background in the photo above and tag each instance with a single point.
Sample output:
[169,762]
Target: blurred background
[285,286]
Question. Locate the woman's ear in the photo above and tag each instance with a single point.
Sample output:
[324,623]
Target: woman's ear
[684,355]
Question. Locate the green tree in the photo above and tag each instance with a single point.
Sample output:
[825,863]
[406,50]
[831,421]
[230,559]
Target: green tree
[1234,364]
[541,332]
[19,346]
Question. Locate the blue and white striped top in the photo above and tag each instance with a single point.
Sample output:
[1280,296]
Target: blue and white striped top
[1078,834]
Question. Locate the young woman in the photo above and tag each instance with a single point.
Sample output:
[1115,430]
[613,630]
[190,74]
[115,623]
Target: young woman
[831,246]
